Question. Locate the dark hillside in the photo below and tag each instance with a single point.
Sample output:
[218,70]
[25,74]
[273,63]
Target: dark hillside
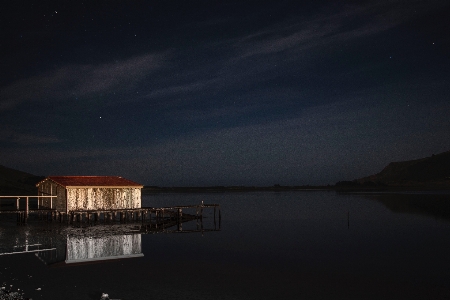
[14,182]
[429,171]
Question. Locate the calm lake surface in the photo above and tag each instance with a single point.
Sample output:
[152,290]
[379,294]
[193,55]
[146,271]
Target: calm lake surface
[271,245]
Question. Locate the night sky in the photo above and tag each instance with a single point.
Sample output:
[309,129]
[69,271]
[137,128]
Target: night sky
[198,93]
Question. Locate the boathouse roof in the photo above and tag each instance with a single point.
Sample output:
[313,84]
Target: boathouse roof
[92,181]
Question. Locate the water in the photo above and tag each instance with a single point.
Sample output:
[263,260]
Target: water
[291,245]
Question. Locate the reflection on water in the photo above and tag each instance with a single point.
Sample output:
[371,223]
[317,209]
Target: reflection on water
[55,244]
[79,249]
[65,245]
[431,205]
[110,247]
[289,245]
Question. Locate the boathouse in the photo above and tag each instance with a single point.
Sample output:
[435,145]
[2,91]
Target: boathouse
[89,193]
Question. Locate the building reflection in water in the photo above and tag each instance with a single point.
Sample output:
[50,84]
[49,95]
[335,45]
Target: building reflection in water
[81,249]
[84,249]
[58,245]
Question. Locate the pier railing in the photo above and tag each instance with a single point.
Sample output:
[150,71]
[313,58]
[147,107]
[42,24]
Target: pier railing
[152,217]
[27,203]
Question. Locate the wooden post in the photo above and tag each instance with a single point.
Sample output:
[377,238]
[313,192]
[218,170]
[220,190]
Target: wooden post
[26,209]
[214,218]
[17,203]
[180,216]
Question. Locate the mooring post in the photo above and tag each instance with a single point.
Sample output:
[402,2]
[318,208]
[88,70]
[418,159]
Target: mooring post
[179,222]
[26,209]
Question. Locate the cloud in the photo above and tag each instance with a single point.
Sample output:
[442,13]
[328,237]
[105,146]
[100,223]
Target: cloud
[348,22]
[175,89]
[80,80]
[24,139]
[250,59]
[325,144]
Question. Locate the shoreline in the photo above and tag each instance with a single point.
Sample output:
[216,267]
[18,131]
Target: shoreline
[306,188]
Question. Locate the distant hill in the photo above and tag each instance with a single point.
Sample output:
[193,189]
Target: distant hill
[14,182]
[433,171]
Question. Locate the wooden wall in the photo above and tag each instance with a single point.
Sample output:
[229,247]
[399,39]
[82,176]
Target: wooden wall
[49,188]
[103,198]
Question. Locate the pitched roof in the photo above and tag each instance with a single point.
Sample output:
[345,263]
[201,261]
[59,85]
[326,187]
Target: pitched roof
[92,181]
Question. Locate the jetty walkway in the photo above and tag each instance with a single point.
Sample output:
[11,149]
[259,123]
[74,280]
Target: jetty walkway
[23,206]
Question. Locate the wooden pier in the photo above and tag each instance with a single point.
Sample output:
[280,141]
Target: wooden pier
[16,206]
[151,216]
